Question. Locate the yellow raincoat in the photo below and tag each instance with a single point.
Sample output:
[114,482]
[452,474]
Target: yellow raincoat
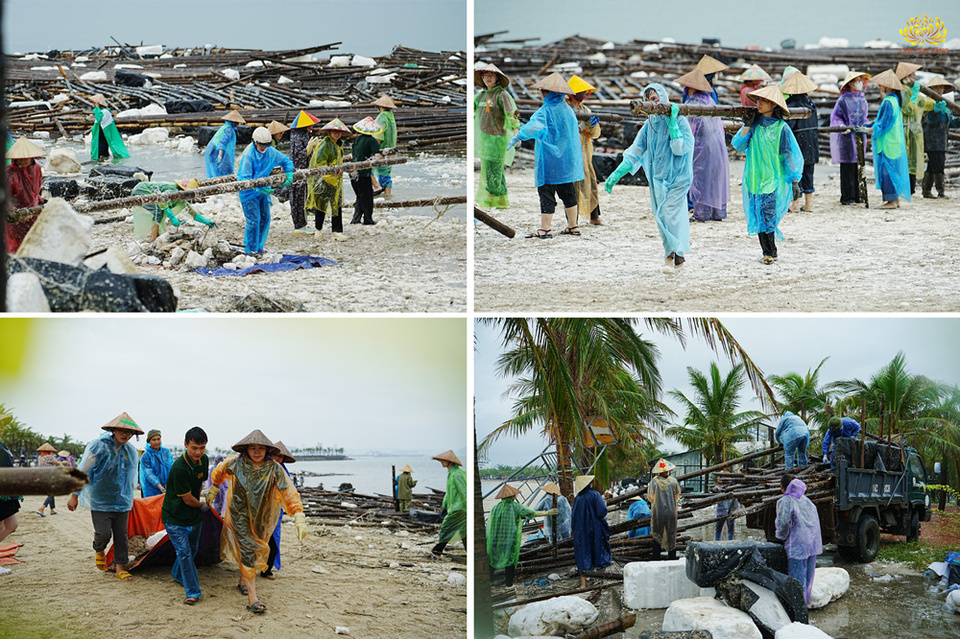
[325,192]
[587,199]
[913,130]
[254,499]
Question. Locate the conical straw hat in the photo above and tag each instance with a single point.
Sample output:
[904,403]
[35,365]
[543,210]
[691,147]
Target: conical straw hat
[939,81]
[234,116]
[406,469]
[46,448]
[754,72]
[336,125]
[277,127]
[368,126]
[580,482]
[695,80]
[554,82]
[448,456]
[579,85]
[284,454]
[507,491]
[888,79]
[24,148]
[386,102]
[63,453]
[853,75]
[551,488]
[798,83]
[98,100]
[123,422]
[708,65]
[773,94]
[503,80]
[663,466]
[302,120]
[187,185]
[256,437]
[906,68]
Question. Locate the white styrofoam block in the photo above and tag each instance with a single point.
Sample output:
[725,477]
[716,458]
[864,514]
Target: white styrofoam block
[557,616]
[703,613]
[60,234]
[952,604]
[656,584]
[25,294]
[768,611]
[798,630]
[829,584]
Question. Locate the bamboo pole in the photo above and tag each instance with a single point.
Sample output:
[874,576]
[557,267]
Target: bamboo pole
[603,117]
[930,93]
[607,629]
[400,204]
[41,481]
[524,602]
[642,107]
[493,223]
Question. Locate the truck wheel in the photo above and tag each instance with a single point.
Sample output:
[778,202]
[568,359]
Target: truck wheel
[848,552]
[868,539]
[914,533]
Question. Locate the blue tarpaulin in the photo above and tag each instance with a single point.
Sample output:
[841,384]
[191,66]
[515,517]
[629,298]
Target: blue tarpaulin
[286,263]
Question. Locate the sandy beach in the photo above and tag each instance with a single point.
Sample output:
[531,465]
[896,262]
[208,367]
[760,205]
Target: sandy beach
[367,579]
[835,259]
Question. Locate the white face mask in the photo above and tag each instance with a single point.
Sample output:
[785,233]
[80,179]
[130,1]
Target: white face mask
[857,85]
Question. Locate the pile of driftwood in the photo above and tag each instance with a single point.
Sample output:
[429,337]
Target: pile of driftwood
[195,86]
[367,510]
[620,71]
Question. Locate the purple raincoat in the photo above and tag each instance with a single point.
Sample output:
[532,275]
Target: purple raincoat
[710,189]
[798,523]
[850,110]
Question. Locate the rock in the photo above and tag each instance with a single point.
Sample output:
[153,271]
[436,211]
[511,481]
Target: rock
[25,294]
[554,577]
[767,612]
[177,255]
[341,630]
[320,570]
[829,584]
[952,604]
[115,259]
[153,135]
[456,580]
[656,584]
[67,188]
[688,634]
[194,260]
[557,616]
[62,162]
[701,613]
[60,234]
[798,630]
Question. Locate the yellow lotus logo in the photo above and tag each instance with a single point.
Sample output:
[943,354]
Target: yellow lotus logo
[924,30]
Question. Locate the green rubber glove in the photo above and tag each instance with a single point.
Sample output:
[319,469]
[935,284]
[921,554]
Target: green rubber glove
[621,170]
[289,179]
[674,122]
[940,106]
[170,216]
[914,91]
[202,220]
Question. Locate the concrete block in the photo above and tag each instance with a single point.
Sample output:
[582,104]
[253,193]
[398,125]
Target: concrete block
[829,584]
[703,613]
[25,294]
[798,630]
[60,234]
[656,584]
[557,616]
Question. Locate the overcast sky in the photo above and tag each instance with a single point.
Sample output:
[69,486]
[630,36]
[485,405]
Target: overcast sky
[366,27]
[389,385]
[857,347]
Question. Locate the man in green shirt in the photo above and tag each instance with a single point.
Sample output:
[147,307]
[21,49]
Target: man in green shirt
[182,512]
[365,147]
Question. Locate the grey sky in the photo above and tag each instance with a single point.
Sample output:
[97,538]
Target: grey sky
[857,347]
[366,27]
[363,384]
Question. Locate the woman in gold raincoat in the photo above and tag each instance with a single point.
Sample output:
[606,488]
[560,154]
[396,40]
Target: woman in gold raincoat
[663,493]
[588,202]
[325,192]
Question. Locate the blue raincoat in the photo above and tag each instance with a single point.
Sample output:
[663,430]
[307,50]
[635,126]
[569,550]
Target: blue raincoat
[850,428]
[563,517]
[225,139]
[112,470]
[154,469]
[890,148]
[254,164]
[774,162]
[668,165]
[790,428]
[591,534]
[639,510]
[557,155]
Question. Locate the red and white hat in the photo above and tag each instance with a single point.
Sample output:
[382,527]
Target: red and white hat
[663,466]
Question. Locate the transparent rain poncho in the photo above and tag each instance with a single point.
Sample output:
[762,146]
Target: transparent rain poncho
[591,533]
[798,523]
[850,110]
[144,217]
[225,139]
[639,510]
[494,124]
[587,192]
[254,499]
[504,532]
[112,472]
[154,469]
[325,192]
[255,164]
[557,155]
[889,148]
[789,428]
[912,114]
[388,140]
[663,493]
[454,525]
[563,517]
[105,124]
[774,162]
[710,188]
[668,165]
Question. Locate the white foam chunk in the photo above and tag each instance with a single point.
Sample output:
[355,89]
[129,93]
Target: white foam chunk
[798,630]
[768,611]
[60,234]
[557,616]
[656,584]
[25,294]
[829,584]
[703,613]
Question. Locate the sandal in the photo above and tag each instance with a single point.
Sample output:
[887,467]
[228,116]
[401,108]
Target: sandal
[191,600]
[124,575]
[540,234]
[570,231]
[242,589]
[257,608]
[766,259]
[101,560]
[433,556]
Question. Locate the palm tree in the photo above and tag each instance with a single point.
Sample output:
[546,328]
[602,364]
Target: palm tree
[712,424]
[804,395]
[940,440]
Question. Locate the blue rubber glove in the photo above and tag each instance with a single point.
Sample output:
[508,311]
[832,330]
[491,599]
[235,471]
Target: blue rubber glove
[914,91]
[621,170]
[940,106]
[514,142]
[674,122]
[170,216]
[289,179]
[594,121]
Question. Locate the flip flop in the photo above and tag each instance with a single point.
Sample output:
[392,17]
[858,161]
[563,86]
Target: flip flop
[257,608]
[101,560]
[433,556]
[124,575]
[191,600]
[242,589]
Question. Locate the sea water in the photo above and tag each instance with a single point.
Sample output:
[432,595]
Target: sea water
[371,475]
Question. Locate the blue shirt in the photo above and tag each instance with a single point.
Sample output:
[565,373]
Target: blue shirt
[255,164]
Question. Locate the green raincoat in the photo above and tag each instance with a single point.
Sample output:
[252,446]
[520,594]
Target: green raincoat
[913,129]
[405,484]
[388,140]
[504,532]
[454,525]
[325,192]
[104,122]
[495,123]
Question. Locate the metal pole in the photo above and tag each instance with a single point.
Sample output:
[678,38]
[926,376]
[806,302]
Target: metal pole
[396,488]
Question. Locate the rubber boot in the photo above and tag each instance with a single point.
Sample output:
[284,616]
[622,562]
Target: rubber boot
[202,220]
[913,184]
[927,185]
[318,219]
[938,178]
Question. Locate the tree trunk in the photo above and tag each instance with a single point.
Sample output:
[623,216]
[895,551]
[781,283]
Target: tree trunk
[942,505]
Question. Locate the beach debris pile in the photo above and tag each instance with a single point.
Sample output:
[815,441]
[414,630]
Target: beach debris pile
[372,510]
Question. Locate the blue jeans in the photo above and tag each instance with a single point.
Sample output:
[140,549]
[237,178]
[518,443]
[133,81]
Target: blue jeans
[257,212]
[186,541]
[803,570]
[730,522]
[795,447]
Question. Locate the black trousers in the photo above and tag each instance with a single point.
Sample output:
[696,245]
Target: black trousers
[806,180]
[768,244]
[274,551]
[509,573]
[936,161]
[363,208]
[849,184]
[595,213]
[336,221]
[548,196]
[657,549]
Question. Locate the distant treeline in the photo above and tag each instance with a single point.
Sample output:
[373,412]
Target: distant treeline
[501,471]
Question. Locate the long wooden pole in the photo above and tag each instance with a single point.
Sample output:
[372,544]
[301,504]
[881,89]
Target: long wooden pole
[611,628]
[40,481]
[642,107]
[493,223]
[930,93]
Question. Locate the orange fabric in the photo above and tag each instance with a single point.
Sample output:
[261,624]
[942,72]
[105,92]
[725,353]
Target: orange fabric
[144,519]
[7,551]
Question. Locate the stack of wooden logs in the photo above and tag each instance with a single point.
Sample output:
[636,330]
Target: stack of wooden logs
[326,506]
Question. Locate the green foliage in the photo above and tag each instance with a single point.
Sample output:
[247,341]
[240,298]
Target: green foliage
[803,395]
[916,554]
